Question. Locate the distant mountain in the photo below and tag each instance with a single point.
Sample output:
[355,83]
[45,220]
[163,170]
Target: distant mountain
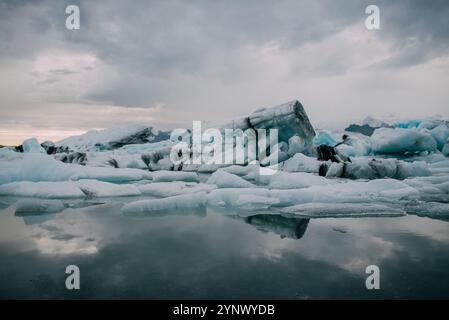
[374,123]
[114,138]
[365,129]
[369,124]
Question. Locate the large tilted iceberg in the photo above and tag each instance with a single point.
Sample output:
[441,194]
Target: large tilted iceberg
[290,119]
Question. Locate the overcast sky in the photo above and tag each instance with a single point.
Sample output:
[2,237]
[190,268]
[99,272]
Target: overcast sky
[166,63]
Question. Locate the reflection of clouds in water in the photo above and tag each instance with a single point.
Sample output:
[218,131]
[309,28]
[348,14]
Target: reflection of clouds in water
[68,233]
[433,229]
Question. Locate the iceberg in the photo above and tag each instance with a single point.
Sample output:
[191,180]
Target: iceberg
[96,189]
[32,146]
[223,179]
[42,167]
[26,207]
[445,150]
[380,190]
[339,210]
[402,141]
[355,145]
[169,189]
[301,163]
[407,124]
[365,168]
[232,197]
[325,137]
[186,201]
[436,210]
[289,118]
[67,189]
[441,135]
[49,190]
[293,180]
[169,176]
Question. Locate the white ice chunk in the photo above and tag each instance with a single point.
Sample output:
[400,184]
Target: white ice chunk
[293,180]
[327,210]
[168,176]
[171,203]
[55,190]
[253,202]
[297,144]
[356,145]
[430,209]
[387,190]
[93,188]
[40,167]
[368,168]
[32,146]
[38,206]
[169,189]
[301,163]
[67,189]
[401,141]
[440,134]
[223,179]
[445,150]
[230,196]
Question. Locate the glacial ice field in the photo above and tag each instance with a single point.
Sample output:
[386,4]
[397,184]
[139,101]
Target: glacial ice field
[76,197]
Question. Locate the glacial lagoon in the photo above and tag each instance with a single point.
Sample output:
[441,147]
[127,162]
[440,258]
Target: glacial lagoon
[204,253]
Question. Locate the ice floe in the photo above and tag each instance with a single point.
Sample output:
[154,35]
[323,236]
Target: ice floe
[328,210]
[40,167]
[170,203]
[223,179]
[169,189]
[402,141]
[38,206]
[68,189]
[168,176]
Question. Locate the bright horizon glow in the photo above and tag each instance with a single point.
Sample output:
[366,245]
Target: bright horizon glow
[15,138]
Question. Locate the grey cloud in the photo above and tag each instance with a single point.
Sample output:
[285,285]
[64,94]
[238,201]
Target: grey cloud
[151,45]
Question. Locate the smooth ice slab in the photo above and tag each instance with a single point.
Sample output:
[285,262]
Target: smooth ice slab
[168,176]
[169,189]
[223,179]
[338,210]
[186,201]
[68,189]
[40,167]
[38,206]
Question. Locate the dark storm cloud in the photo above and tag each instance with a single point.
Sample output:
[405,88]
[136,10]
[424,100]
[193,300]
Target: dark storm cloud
[150,44]
[417,30]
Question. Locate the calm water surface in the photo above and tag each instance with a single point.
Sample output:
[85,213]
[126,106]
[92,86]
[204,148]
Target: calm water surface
[219,255]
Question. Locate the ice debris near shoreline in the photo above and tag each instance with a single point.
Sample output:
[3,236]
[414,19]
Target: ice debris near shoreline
[399,168]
